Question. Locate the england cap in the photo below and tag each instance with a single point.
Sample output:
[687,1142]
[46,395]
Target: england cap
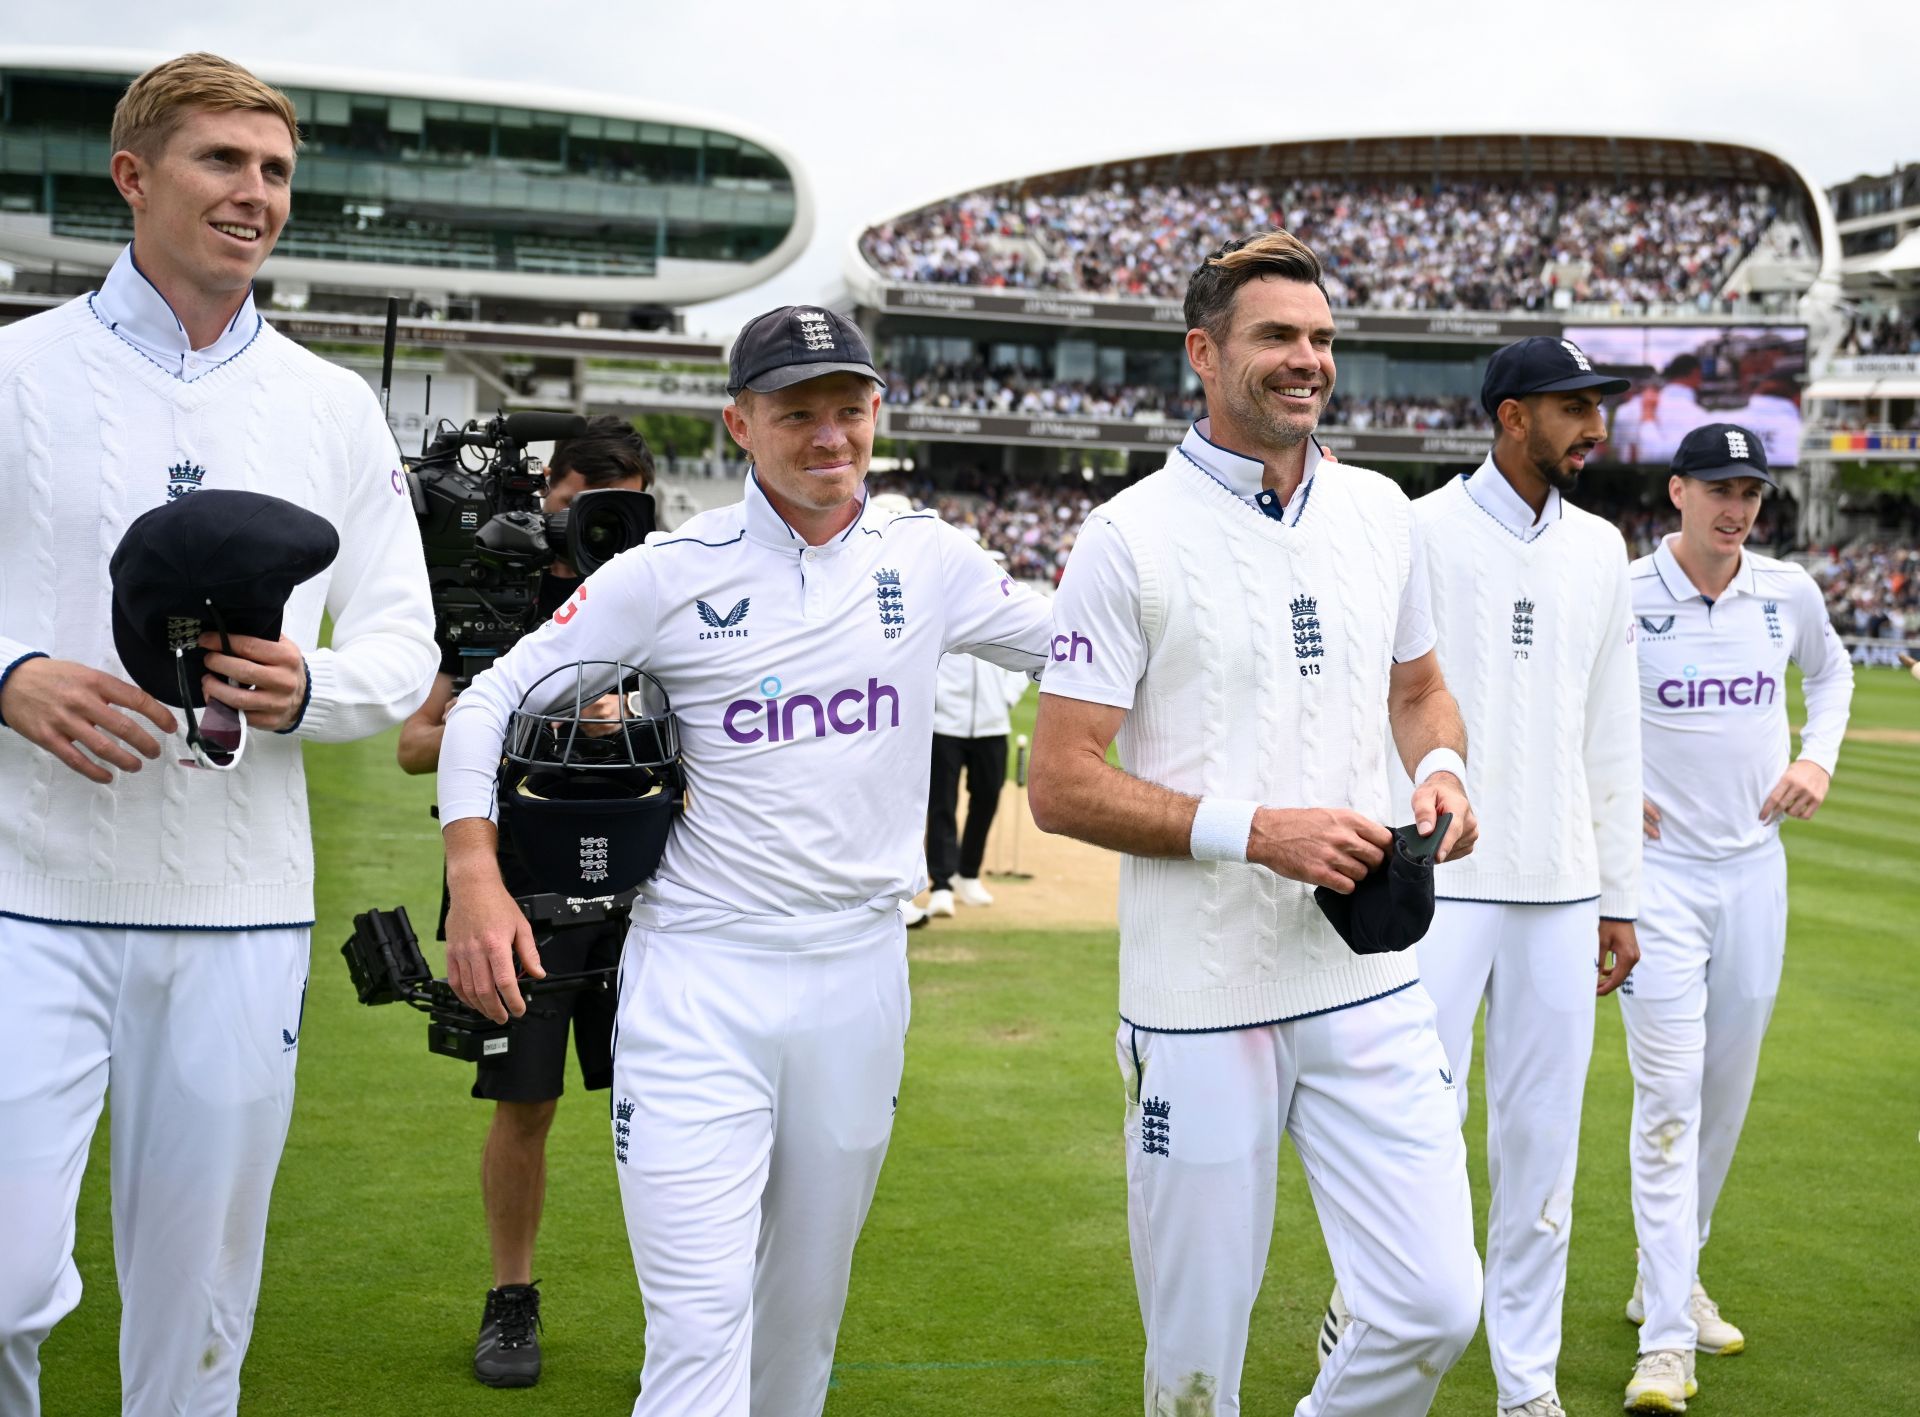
[1715,451]
[213,558]
[1541,364]
[793,344]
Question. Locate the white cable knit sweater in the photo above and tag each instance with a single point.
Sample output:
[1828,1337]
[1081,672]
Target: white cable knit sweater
[92,434]
[1267,678]
[1536,641]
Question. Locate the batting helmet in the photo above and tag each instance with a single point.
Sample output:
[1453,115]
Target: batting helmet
[590,779]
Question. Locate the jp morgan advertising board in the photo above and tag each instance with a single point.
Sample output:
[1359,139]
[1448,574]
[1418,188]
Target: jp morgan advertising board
[1051,308]
[937,425]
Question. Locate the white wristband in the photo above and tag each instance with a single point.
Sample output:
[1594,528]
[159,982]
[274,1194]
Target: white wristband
[1221,829]
[1441,760]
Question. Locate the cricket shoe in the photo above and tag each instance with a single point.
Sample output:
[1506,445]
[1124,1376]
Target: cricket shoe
[1545,1405]
[508,1353]
[1716,1335]
[912,916]
[1662,1382]
[1333,1324]
[940,903]
[968,891]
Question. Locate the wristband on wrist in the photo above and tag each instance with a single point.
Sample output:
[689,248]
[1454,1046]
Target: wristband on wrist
[1441,760]
[1221,828]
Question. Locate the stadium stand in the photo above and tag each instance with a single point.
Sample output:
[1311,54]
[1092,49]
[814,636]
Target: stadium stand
[1440,245]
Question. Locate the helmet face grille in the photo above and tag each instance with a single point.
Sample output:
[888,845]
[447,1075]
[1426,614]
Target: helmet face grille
[590,778]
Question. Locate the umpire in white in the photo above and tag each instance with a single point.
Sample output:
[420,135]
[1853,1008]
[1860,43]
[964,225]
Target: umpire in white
[1249,622]
[763,990]
[1530,605]
[1718,626]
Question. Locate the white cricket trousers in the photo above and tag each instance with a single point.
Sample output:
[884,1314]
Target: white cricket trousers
[755,1072]
[1713,937]
[1363,1094]
[1534,967]
[196,1033]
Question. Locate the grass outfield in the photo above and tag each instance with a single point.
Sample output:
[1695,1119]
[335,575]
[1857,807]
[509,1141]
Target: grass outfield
[993,1275]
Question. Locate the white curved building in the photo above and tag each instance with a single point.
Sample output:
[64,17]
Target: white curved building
[518,197]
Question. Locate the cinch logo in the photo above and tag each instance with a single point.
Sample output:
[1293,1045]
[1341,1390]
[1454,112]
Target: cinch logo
[775,720]
[1067,649]
[1690,691]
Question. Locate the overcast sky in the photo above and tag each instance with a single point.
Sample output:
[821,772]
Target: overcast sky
[887,104]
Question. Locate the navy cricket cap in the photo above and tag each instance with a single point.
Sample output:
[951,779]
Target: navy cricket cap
[1541,364]
[793,344]
[1716,451]
[212,559]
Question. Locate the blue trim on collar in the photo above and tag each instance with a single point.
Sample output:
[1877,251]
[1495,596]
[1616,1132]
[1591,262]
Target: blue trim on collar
[696,541]
[7,673]
[259,324]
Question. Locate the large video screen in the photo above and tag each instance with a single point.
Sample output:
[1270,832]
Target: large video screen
[1687,375]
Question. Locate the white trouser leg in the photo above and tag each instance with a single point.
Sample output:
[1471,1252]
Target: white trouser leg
[1202,1142]
[1539,1033]
[1663,1005]
[1374,1122]
[1749,950]
[833,1116]
[1456,960]
[204,1046]
[753,1095]
[56,1020]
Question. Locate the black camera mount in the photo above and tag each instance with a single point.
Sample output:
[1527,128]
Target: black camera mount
[383,956]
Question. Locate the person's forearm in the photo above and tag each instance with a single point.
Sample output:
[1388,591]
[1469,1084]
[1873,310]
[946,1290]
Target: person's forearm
[419,750]
[1086,797]
[473,854]
[1423,723]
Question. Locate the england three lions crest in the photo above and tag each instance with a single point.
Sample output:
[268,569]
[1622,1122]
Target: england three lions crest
[890,598]
[182,478]
[1309,648]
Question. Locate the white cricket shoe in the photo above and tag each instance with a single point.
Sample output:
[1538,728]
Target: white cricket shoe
[1332,1325]
[1662,1382]
[912,916]
[1545,1405]
[940,903]
[1716,1335]
[968,891]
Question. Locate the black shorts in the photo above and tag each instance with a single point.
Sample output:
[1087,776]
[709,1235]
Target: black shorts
[534,1068]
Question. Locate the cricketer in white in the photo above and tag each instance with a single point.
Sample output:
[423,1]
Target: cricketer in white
[763,1007]
[1533,635]
[155,921]
[1247,623]
[1713,920]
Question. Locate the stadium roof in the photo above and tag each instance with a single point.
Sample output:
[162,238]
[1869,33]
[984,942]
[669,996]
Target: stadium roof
[674,280]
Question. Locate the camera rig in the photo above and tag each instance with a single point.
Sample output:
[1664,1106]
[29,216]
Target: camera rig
[383,956]
[477,495]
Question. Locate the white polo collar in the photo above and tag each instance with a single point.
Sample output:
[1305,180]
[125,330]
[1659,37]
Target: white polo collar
[766,527]
[1245,477]
[1494,495]
[1680,585]
[134,309]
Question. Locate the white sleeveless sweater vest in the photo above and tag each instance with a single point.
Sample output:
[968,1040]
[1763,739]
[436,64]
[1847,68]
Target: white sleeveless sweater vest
[1269,651]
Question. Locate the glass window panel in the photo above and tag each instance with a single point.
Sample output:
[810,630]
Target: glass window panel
[689,138]
[406,115]
[477,113]
[584,125]
[621,130]
[655,133]
[515,118]
[334,109]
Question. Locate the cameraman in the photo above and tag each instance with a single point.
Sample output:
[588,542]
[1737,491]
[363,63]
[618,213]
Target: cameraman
[525,1083]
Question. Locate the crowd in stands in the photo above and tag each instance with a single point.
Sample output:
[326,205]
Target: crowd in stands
[1872,589]
[978,389]
[1385,246]
[1889,332]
